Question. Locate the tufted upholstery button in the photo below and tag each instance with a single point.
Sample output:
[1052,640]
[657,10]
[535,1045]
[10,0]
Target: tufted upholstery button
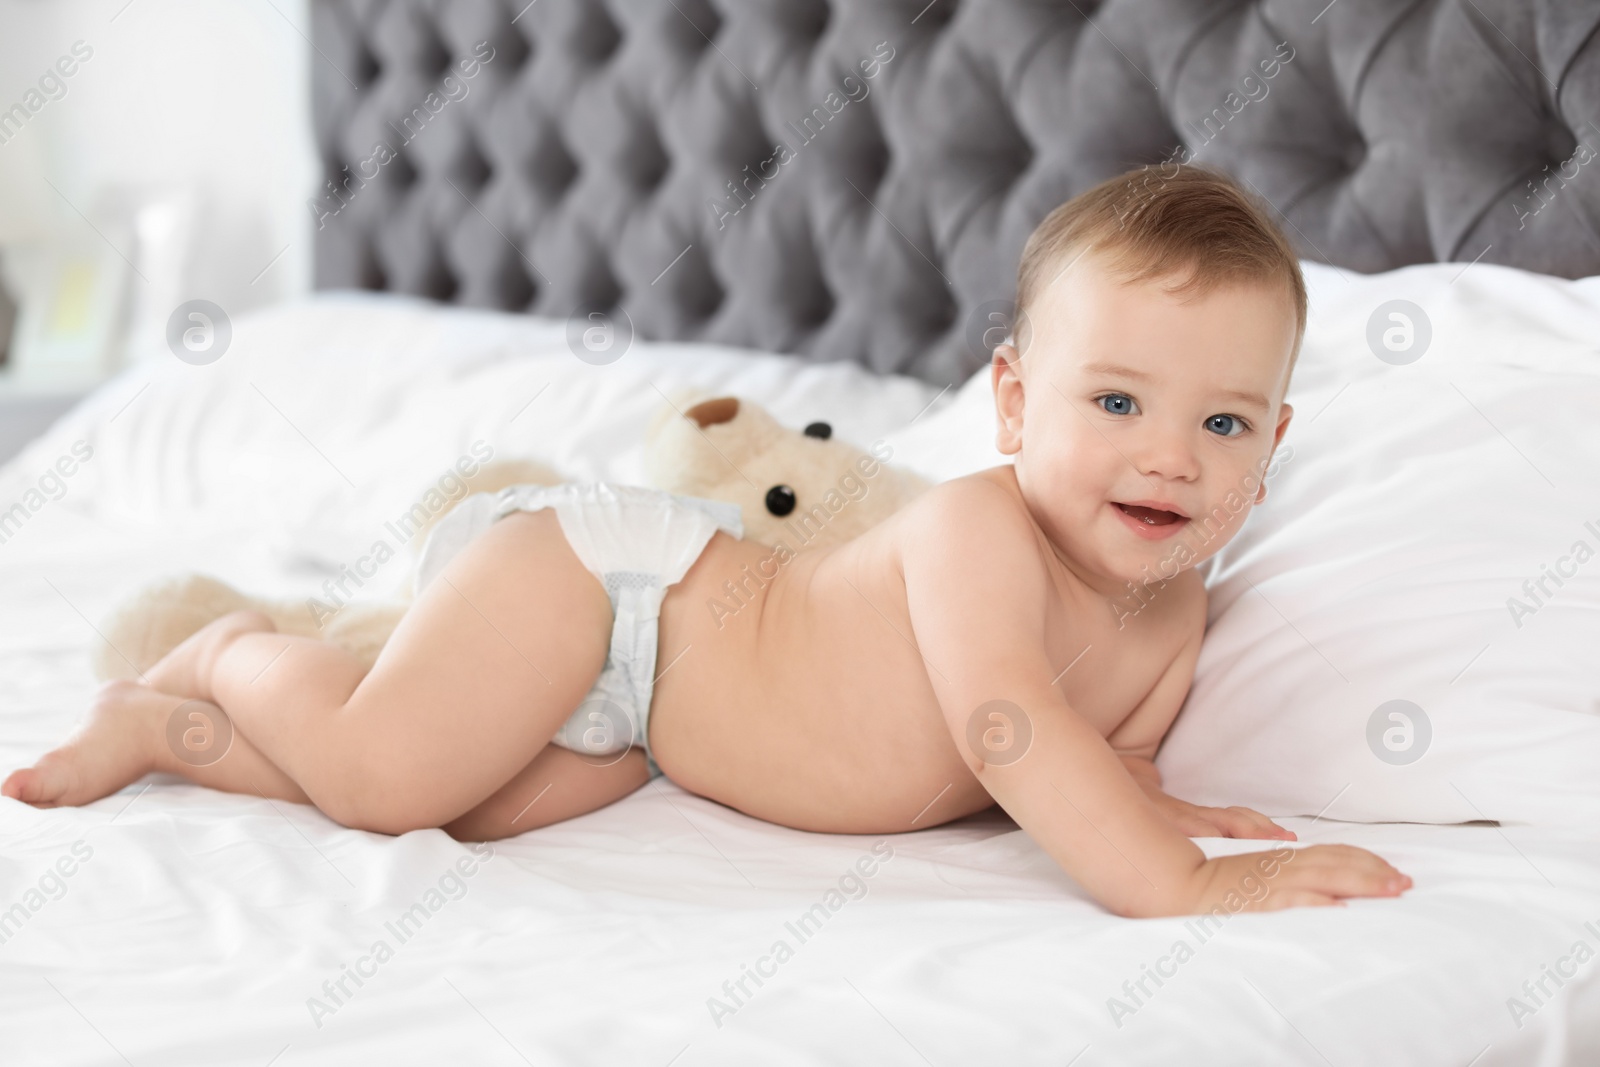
[696,23]
[817,18]
[1355,154]
[817,311]
[653,177]
[401,173]
[471,168]
[367,68]
[447,286]
[594,37]
[550,167]
[1024,157]
[942,315]
[644,160]
[800,21]
[438,61]
[713,296]
[1560,144]
[938,14]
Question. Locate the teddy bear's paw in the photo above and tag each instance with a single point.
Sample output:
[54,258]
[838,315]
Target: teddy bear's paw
[156,619]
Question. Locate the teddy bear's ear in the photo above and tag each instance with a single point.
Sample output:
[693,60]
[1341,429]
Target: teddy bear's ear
[714,412]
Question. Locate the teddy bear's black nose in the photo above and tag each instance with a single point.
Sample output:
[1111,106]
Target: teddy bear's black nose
[781,499]
[820,430]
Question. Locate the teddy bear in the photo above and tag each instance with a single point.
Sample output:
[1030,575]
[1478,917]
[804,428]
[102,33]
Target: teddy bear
[802,490]
[797,489]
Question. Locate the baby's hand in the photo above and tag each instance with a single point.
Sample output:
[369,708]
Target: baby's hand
[1287,878]
[1194,821]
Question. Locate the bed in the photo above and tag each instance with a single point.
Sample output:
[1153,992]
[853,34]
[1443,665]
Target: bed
[174,925]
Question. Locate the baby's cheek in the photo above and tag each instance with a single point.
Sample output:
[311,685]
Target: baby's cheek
[1226,508]
[1074,480]
[1064,444]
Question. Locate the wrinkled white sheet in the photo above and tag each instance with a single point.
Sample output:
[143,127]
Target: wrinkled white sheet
[200,928]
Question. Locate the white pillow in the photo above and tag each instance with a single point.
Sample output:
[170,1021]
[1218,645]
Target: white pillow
[955,436]
[1390,556]
[1408,505]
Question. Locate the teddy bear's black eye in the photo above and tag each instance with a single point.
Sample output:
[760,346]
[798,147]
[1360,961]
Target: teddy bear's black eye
[820,430]
[780,500]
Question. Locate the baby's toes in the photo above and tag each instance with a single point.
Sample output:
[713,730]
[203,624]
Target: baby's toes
[16,784]
[40,785]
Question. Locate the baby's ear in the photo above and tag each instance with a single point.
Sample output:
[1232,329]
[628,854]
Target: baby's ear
[1285,413]
[1008,398]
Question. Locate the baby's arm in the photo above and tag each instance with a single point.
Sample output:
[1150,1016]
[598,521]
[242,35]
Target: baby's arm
[977,594]
[1136,740]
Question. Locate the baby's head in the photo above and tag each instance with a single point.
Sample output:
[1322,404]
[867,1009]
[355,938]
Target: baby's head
[1158,319]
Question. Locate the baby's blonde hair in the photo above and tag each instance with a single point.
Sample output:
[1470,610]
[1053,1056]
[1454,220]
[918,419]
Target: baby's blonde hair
[1149,223]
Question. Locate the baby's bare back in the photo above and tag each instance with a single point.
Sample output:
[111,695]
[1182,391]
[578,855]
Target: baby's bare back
[804,699]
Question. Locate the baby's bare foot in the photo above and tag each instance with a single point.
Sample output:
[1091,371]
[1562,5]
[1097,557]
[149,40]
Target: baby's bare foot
[185,670]
[115,745]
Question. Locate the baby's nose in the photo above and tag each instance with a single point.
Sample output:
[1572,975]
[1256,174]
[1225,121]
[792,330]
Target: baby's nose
[1167,454]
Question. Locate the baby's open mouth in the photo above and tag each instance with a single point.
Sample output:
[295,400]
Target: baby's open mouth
[1151,516]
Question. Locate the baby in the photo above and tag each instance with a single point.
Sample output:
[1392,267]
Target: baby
[569,643]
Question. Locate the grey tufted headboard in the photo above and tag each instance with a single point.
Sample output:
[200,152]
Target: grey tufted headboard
[854,179]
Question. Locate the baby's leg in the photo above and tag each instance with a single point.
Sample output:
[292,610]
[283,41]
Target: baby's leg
[481,671]
[479,674]
[557,785]
[125,736]
[170,689]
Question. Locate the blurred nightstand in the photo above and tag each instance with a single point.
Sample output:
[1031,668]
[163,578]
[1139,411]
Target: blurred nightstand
[27,411]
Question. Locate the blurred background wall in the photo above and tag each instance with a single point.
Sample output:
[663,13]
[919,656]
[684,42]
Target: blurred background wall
[152,152]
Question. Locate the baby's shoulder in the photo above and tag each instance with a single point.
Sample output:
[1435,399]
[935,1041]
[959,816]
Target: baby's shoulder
[984,504]
[977,523]
[971,560]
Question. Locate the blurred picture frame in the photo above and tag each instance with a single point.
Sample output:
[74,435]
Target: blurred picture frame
[72,305]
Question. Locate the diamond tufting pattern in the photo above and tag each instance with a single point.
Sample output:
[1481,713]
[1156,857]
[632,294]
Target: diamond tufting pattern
[726,170]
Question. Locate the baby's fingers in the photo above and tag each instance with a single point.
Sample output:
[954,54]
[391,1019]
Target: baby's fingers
[1245,822]
[1298,898]
[1342,871]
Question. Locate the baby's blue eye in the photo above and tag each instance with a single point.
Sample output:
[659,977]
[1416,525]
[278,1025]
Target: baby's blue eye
[1121,404]
[1226,425]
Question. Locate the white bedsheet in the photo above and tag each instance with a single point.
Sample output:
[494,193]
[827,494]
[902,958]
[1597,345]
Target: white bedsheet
[201,925]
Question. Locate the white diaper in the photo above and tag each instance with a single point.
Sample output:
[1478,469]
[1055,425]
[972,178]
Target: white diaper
[638,542]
